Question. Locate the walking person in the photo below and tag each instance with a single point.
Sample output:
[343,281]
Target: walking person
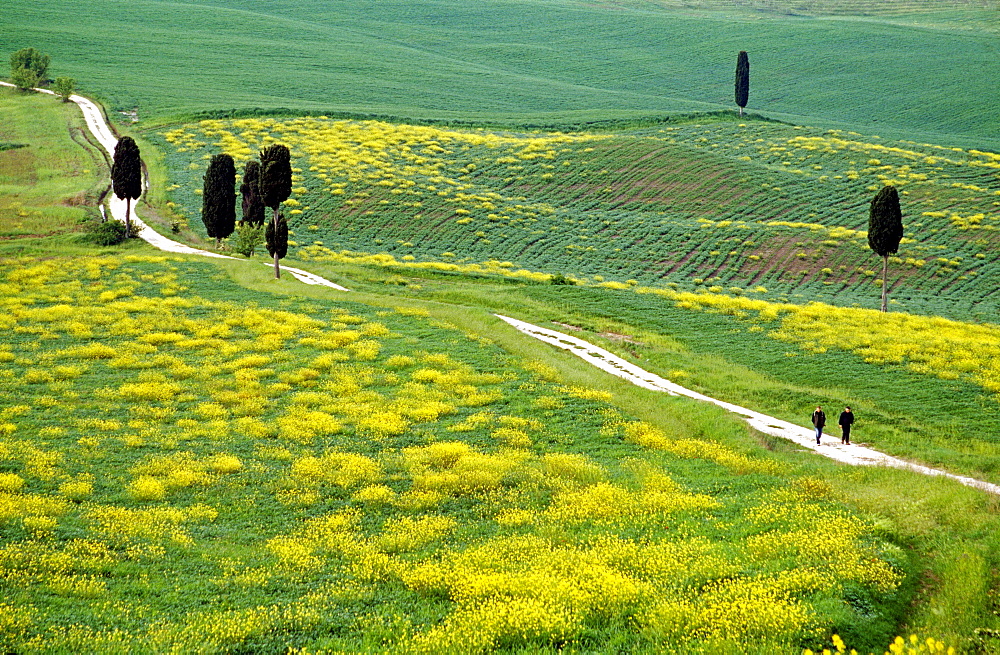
[819,420]
[846,420]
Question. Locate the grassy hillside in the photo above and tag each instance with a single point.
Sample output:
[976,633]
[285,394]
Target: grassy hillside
[48,182]
[547,61]
[752,219]
[231,470]
[194,456]
[771,210]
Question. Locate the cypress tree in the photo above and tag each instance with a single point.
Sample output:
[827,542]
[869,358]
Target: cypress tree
[275,185]
[218,210]
[742,80]
[276,238]
[885,230]
[253,206]
[126,175]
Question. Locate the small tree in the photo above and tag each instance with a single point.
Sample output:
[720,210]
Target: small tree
[30,59]
[742,80]
[126,175]
[64,87]
[218,209]
[248,238]
[275,185]
[276,239]
[253,206]
[885,231]
[24,79]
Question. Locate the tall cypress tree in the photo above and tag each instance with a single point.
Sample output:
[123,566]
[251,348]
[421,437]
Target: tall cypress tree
[253,206]
[885,230]
[742,80]
[276,238]
[275,185]
[218,209]
[126,175]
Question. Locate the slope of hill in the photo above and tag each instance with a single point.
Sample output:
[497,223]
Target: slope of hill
[416,486]
[48,184]
[552,61]
[773,210]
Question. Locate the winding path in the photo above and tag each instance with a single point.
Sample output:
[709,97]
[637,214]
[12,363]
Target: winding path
[805,437]
[102,132]
[602,359]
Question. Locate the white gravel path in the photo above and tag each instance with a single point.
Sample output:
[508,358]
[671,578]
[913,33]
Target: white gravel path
[805,437]
[102,132]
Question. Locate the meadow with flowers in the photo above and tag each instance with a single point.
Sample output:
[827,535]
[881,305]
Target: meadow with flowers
[749,208]
[195,457]
[639,222]
[187,467]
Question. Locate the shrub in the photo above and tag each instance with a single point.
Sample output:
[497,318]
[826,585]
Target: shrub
[559,278]
[64,87]
[248,238]
[108,233]
[24,79]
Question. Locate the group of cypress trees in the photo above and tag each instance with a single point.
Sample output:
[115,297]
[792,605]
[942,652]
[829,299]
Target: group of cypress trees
[266,183]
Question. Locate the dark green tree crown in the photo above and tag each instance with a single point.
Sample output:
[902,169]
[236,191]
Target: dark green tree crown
[253,206]
[275,182]
[30,59]
[742,79]
[219,197]
[126,169]
[276,240]
[885,222]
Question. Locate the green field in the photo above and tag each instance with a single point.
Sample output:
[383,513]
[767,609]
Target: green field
[48,183]
[198,457]
[546,61]
[195,457]
[768,209]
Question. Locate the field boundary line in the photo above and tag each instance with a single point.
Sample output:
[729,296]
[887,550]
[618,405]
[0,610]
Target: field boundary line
[830,446]
[106,137]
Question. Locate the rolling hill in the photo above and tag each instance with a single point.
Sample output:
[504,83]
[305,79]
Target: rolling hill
[547,61]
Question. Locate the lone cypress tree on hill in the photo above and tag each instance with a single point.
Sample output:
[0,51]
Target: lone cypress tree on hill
[218,211]
[885,230]
[275,185]
[126,175]
[742,80]
[253,207]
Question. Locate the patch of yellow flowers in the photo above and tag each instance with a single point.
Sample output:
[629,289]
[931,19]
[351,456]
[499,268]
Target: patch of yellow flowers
[912,646]
[548,544]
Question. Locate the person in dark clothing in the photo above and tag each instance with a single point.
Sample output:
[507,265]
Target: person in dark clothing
[819,420]
[845,421]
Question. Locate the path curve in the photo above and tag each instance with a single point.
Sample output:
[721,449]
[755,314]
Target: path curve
[94,118]
[805,437]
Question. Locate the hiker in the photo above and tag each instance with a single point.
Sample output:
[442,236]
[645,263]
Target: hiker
[819,420]
[845,421]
